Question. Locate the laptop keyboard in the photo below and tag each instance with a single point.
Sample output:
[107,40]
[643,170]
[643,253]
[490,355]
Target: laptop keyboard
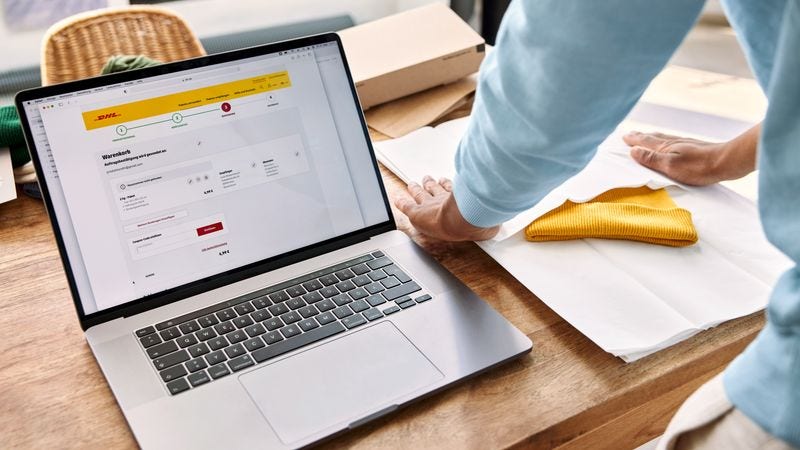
[210,343]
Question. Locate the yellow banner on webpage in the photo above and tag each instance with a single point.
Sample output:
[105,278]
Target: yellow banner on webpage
[194,98]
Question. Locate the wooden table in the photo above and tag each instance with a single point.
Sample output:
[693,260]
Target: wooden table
[567,393]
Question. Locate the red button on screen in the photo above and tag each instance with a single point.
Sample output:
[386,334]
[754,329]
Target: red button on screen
[209,228]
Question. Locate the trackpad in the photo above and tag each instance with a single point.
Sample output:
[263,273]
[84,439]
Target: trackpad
[338,382]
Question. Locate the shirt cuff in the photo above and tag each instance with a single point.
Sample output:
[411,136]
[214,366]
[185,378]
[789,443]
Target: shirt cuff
[473,210]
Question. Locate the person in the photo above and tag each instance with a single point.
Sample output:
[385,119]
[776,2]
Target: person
[563,75]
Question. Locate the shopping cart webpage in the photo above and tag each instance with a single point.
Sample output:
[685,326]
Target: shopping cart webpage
[179,178]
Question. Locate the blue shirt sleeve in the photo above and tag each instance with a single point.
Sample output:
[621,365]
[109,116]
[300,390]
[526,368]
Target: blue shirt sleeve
[563,75]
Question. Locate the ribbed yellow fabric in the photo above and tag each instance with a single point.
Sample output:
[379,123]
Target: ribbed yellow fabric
[633,214]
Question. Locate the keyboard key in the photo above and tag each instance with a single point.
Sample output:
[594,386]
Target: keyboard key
[374,288]
[359,306]
[236,336]
[406,303]
[290,317]
[170,333]
[208,321]
[215,357]
[361,280]
[273,323]
[253,344]
[422,298]
[224,327]
[277,310]
[312,285]
[358,293]
[150,340]
[308,311]
[177,386]
[354,321]
[377,254]
[328,280]
[391,310]
[328,291]
[399,291]
[206,334]
[244,308]
[196,379]
[377,275]
[159,350]
[198,350]
[345,286]
[255,330]
[145,331]
[260,315]
[376,300]
[240,363]
[242,321]
[373,314]
[235,350]
[344,274]
[343,311]
[172,373]
[226,314]
[390,282]
[290,330]
[189,327]
[185,341]
[378,263]
[326,305]
[360,269]
[304,339]
[171,359]
[295,291]
[326,317]
[342,299]
[279,297]
[295,303]
[272,337]
[261,302]
[308,324]
[196,364]
[312,297]
[218,343]
[218,371]
[399,274]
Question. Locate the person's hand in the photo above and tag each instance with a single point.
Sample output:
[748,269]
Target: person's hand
[695,162]
[432,210]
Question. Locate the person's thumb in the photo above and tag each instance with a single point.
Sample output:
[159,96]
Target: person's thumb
[657,161]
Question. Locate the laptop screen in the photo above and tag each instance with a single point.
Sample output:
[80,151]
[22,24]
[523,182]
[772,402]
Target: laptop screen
[159,182]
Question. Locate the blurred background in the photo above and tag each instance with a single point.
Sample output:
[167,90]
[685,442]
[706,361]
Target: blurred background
[228,24]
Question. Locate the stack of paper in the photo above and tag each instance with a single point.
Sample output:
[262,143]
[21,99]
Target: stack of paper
[630,298]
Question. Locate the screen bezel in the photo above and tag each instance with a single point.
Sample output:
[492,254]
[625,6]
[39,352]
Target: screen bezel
[228,277]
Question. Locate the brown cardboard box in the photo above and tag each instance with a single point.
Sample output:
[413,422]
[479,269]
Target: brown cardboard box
[410,52]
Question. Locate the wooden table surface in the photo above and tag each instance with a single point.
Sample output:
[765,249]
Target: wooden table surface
[566,393]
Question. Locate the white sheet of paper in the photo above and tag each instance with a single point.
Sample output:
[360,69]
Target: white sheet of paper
[630,298]
[8,190]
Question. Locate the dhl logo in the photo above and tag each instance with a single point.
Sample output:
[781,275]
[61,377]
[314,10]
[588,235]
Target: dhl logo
[110,115]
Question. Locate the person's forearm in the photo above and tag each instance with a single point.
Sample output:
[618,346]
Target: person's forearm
[738,156]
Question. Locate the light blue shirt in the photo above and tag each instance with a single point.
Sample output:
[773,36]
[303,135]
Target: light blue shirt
[565,73]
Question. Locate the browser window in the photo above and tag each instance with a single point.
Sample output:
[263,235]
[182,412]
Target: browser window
[160,182]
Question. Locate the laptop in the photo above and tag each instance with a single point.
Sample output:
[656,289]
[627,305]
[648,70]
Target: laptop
[232,254]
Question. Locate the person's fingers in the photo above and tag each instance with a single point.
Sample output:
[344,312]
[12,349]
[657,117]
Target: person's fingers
[406,206]
[648,140]
[447,185]
[416,191]
[431,185]
[657,161]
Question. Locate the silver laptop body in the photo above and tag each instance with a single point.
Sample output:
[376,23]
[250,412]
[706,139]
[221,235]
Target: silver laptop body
[232,255]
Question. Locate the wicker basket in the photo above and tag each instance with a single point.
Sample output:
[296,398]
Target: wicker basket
[79,46]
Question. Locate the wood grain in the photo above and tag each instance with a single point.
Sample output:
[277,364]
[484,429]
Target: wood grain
[566,393]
